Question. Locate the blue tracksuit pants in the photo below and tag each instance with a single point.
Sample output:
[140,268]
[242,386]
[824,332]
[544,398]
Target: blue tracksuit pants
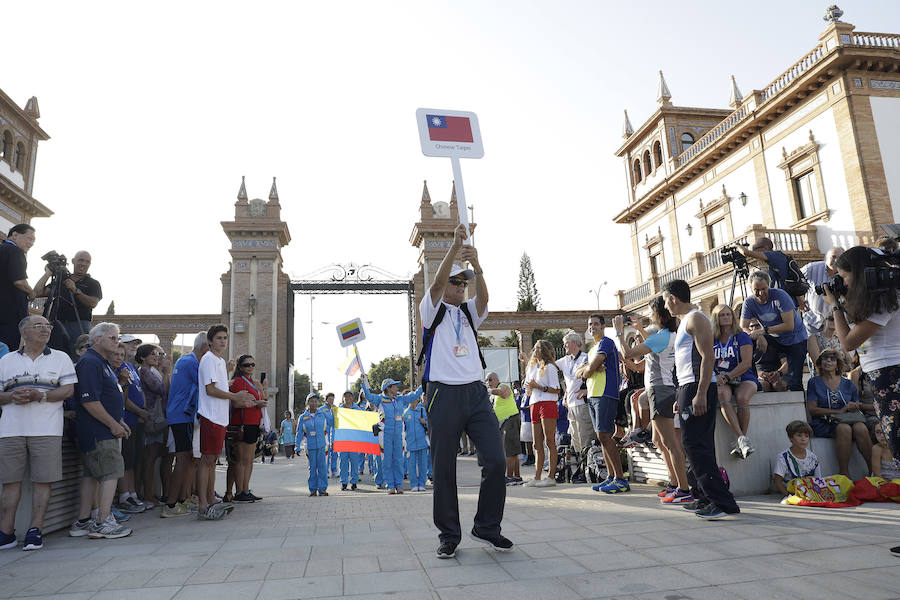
[428,462]
[318,475]
[333,462]
[349,467]
[393,459]
[418,466]
[376,462]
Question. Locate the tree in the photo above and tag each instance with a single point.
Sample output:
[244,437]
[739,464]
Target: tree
[554,336]
[394,367]
[484,341]
[511,340]
[528,296]
[112,309]
[301,389]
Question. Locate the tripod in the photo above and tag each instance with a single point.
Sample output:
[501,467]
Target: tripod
[59,337]
[740,275]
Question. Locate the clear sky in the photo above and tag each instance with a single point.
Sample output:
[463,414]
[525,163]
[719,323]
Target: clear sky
[156,111]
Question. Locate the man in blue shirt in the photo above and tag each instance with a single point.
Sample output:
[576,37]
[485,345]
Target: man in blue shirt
[776,261]
[98,421]
[783,327]
[181,411]
[133,445]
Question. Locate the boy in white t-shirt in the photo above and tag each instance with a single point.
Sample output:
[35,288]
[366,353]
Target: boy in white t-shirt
[796,461]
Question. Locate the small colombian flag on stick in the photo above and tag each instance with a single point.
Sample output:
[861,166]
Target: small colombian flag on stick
[349,330]
[353,431]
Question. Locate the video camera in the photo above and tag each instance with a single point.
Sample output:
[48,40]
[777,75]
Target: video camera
[730,254]
[58,263]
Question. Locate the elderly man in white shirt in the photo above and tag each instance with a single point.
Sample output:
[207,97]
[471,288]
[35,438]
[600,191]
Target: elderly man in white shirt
[580,426]
[34,382]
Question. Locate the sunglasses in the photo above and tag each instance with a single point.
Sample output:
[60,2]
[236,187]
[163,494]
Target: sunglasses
[248,365]
[459,282]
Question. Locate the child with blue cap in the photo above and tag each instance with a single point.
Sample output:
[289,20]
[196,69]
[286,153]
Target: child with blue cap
[391,405]
[314,427]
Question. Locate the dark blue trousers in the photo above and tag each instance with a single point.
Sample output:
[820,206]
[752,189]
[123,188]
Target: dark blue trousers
[453,409]
[698,435]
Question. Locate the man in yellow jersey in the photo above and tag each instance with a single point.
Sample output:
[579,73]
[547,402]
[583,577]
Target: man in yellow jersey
[504,402]
[601,373]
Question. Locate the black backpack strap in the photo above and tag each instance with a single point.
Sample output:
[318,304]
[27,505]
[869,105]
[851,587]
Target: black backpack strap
[428,336]
[465,309]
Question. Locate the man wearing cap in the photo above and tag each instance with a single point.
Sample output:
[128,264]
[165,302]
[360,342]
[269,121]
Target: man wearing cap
[330,411]
[313,426]
[457,400]
[391,406]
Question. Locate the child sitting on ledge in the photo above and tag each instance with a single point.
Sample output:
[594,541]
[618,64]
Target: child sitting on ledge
[796,461]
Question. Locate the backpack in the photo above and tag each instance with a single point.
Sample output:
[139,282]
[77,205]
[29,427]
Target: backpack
[594,463]
[793,282]
[428,335]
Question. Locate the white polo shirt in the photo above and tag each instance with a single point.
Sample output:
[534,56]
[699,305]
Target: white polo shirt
[213,370]
[49,371]
[441,361]
[568,365]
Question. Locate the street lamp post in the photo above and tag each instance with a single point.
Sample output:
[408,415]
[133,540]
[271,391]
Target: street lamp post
[311,384]
[346,377]
[596,293]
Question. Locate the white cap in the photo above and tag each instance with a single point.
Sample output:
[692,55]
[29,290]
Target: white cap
[458,270]
[127,337]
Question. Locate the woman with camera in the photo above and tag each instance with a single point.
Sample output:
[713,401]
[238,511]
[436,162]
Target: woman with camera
[868,321]
[834,405]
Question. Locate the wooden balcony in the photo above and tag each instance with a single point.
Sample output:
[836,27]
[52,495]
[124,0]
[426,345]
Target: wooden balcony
[704,267]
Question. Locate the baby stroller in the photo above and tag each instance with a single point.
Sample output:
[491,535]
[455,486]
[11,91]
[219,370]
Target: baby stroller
[594,463]
[563,458]
[267,445]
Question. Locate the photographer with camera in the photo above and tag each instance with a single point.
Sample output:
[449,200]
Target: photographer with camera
[79,293]
[782,326]
[14,289]
[817,273]
[777,262]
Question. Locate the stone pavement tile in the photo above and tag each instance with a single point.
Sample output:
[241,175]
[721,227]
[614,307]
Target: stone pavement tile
[745,547]
[406,595]
[115,550]
[615,561]
[632,581]
[75,596]
[92,581]
[533,589]
[160,561]
[248,572]
[699,536]
[235,589]
[286,570]
[209,574]
[371,549]
[374,583]
[306,587]
[157,593]
[360,564]
[10,586]
[677,554]
[467,574]
[171,577]
[862,557]
[428,559]
[191,547]
[131,579]
[397,562]
[33,567]
[542,567]
[698,593]
[817,541]
[752,568]
[48,584]
[374,537]
[540,550]
[323,564]
[883,578]
[823,585]
[250,544]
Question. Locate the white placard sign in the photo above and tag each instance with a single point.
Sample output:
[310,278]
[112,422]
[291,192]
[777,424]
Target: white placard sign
[450,133]
[351,332]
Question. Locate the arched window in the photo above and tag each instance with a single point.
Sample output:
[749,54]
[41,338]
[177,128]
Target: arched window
[687,140]
[637,171]
[6,146]
[20,155]
[648,166]
[657,153]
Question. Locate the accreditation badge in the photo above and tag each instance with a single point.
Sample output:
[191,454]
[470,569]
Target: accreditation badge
[460,351]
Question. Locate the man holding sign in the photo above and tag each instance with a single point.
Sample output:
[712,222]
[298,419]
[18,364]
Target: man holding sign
[457,400]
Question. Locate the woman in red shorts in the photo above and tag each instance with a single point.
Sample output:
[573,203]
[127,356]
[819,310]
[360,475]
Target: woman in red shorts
[247,422]
[542,384]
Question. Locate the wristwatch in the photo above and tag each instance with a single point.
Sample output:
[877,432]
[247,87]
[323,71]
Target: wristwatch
[544,389]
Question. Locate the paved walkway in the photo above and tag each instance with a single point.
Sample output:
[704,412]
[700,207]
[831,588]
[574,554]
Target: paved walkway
[570,543]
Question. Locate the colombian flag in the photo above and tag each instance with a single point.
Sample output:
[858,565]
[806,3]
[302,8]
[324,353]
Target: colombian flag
[350,366]
[353,431]
[348,331]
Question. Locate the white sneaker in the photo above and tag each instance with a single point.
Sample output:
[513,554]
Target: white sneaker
[531,483]
[109,529]
[545,482]
[744,446]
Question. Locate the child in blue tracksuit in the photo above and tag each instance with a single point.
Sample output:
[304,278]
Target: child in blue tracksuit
[391,406]
[313,426]
[349,461]
[415,421]
[330,460]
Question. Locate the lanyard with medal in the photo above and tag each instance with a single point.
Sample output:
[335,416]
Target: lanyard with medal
[459,350]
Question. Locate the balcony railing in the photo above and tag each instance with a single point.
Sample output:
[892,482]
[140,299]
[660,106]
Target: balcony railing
[713,134]
[787,240]
[876,40]
[794,71]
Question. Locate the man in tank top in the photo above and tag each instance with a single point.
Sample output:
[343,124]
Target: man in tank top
[697,403]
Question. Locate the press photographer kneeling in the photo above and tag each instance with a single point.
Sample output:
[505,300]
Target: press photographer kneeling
[867,319]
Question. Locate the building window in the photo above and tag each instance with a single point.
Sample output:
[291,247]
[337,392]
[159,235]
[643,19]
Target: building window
[803,176]
[648,166]
[6,146]
[687,140]
[637,171]
[20,155]
[657,153]
[807,195]
[657,262]
[718,234]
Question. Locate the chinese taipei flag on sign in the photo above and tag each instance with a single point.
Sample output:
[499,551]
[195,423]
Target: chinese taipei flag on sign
[450,133]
